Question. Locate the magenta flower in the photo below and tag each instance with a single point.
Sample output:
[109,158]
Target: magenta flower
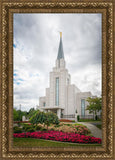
[59,136]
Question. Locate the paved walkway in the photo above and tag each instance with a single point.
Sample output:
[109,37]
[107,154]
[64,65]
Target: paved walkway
[96,132]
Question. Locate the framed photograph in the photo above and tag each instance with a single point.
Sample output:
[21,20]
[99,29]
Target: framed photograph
[57,80]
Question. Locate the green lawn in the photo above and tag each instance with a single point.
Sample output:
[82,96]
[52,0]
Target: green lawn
[89,120]
[30,142]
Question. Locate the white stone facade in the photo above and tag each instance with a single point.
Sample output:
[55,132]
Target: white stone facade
[62,97]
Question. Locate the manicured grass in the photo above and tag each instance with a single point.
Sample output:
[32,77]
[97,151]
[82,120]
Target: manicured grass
[31,142]
[74,124]
[99,126]
[89,120]
[78,124]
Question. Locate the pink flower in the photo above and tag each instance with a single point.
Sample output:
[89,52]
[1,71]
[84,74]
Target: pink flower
[59,136]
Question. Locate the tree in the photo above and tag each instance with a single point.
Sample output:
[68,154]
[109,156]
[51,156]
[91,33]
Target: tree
[46,118]
[51,118]
[38,117]
[95,105]
[31,112]
[15,115]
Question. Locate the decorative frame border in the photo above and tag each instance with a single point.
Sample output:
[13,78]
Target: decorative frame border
[6,31]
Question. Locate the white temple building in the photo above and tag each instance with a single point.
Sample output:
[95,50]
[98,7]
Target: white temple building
[62,97]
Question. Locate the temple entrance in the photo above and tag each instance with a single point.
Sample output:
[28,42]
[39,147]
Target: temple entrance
[54,111]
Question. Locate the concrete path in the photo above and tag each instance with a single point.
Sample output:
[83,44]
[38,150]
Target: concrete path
[96,132]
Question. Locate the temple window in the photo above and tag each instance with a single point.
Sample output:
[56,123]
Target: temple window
[57,92]
[44,104]
[83,107]
[68,81]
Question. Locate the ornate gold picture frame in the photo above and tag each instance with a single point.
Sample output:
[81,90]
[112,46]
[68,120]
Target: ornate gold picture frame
[7,9]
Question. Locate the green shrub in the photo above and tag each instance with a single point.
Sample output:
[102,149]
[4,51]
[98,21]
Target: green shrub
[67,124]
[52,129]
[38,117]
[24,124]
[78,118]
[26,127]
[57,125]
[44,118]
[31,130]
[43,129]
[38,128]
[15,127]
[17,130]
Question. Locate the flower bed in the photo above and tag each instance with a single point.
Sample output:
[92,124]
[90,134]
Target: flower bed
[21,121]
[65,120]
[59,136]
[78,129]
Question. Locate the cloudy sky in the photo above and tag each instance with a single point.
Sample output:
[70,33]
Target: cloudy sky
[36,42]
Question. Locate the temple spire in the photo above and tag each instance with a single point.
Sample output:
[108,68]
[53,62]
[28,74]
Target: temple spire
[60,34]
[60,50]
